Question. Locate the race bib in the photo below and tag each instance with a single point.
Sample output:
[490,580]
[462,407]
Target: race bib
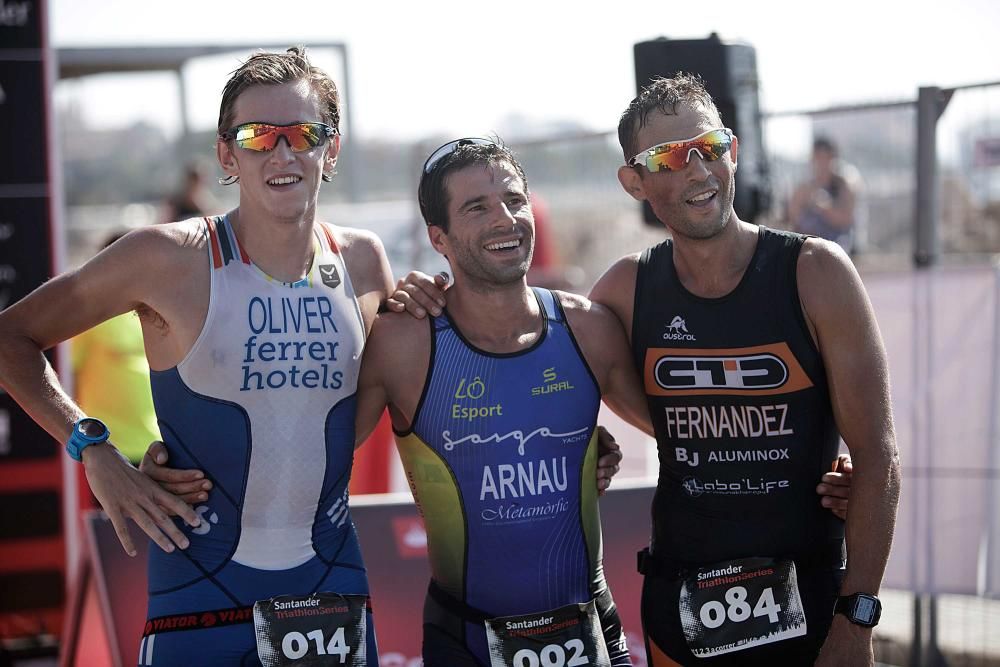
[738,604]
[318,629]
[565,637]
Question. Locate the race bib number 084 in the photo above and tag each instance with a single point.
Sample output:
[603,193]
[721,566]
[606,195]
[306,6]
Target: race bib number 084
[319,629]
[735,605]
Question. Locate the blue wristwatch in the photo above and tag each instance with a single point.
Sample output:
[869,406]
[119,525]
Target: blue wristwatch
[86,432]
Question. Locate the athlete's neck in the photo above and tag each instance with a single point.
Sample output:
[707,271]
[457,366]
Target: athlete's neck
[283,250]
[502,320]
[712,268]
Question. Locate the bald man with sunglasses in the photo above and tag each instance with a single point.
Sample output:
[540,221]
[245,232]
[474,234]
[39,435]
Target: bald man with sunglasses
[253,323]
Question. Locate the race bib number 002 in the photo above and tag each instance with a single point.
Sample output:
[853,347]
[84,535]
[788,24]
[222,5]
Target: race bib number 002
[319,629]
[739,604]
[569,636]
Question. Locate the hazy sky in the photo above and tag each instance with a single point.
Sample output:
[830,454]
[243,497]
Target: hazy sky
[456,68]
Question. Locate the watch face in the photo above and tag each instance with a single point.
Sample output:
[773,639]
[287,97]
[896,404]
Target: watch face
[92,428]
[864,609]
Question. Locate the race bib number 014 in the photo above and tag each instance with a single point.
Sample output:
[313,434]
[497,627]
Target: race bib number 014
[319,629]
[739,604]
[569,636]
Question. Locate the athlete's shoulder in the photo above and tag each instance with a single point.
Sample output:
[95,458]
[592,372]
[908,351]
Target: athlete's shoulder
[582,309]
[616,288]
[820,261]
[619,279]
[829,285]
[596,328]
[354,240]
[365,258]
[368,266]
[172,244]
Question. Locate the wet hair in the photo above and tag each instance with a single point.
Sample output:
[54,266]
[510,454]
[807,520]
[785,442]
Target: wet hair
[431,192]
[663,94]
[271,69]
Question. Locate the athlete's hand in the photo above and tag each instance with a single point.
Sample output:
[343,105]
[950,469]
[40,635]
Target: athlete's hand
[835,486]
[609,456]
[126,493]
[846,645]
[418,294]
[189,485]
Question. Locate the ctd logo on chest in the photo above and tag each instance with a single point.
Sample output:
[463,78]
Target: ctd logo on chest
[764,369]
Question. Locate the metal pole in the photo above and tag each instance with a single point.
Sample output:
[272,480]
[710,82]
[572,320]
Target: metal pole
[931,103]
[917,641]
[350,147]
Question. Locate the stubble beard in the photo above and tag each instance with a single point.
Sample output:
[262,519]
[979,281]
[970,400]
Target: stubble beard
[482,276]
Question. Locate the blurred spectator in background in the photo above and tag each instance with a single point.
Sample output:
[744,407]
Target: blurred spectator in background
[112,379]
[193,198]
[826,204]
[547,267]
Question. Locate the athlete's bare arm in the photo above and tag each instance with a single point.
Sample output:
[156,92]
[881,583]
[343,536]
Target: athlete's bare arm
[606,349]
[616,290]
[153,271]
[843,324]
[393,372]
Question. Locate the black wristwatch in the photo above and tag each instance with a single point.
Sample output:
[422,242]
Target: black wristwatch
[861,609]
[86,432]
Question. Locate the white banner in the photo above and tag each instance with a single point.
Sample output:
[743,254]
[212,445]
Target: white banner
[940,328]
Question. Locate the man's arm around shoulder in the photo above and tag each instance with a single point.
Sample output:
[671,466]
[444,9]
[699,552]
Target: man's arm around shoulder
[616,290]
[606,350]
[393,371]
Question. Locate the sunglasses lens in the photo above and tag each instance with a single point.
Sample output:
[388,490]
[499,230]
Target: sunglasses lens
[255,136]
[304,136]
[263,137]
[667,158]
[673,156]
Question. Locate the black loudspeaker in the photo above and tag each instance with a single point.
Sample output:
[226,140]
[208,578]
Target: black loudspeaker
[730,75]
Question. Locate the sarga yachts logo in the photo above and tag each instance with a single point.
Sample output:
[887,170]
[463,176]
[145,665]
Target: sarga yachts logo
[518,436]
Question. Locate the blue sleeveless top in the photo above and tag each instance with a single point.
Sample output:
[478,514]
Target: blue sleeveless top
[501,458]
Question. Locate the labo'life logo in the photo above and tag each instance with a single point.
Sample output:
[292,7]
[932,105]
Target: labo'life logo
[759,370]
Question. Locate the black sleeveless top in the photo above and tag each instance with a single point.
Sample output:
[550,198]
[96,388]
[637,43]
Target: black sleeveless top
[741,408]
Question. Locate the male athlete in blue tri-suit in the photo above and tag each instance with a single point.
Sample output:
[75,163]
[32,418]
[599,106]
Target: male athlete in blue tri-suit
[254,323]
[494,404]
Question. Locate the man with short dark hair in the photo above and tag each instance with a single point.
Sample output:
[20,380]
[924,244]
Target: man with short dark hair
[825,204]
[758,350]
[494,403]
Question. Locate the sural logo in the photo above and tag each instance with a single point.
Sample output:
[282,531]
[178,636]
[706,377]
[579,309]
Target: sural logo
[764,369]
[411,538]
[551,385]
